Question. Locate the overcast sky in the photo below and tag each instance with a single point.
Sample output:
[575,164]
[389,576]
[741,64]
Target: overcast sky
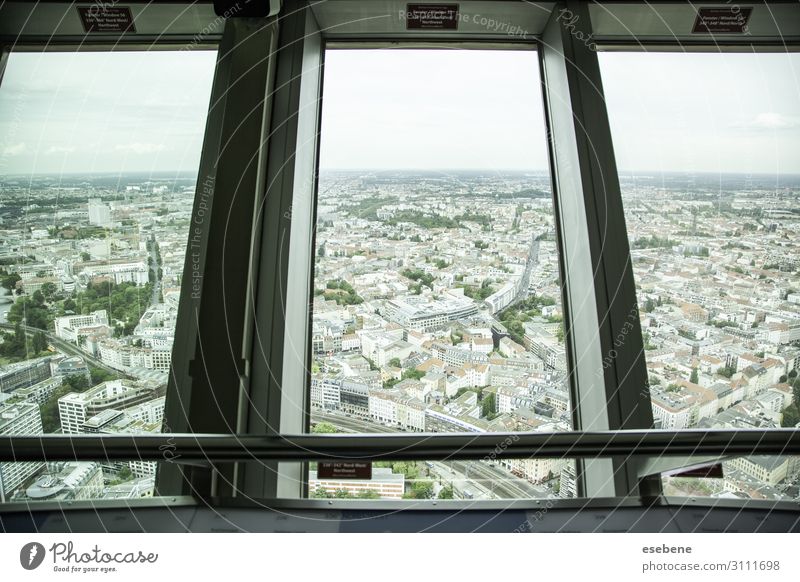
[104,112]
[422,109]
[715,112]
[433,109]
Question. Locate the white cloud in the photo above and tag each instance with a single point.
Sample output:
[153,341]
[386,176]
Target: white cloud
[141,148]
[15,150]
[771,121]
[59,150]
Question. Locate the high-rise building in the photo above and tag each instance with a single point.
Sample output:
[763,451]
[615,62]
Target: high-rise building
[99,213]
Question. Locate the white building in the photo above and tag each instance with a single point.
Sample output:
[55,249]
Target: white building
[99,213]
[69,327]
[157,322]
[382,406]
[326,391]
[133,270]
[73,481]
[386,484]
[537,470]
[424,315]
[75,408]
[122,356]
[501,298]
[673,414]
[18,419]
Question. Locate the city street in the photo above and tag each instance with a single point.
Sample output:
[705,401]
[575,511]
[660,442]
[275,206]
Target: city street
[481,478]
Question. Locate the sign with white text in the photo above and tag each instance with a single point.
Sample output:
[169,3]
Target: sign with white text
[431,16]
[99,18]
[725,20]
[344,470]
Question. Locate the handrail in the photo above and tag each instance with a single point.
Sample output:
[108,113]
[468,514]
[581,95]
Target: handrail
[424,446]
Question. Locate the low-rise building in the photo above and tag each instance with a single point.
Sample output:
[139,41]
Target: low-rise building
[384,483]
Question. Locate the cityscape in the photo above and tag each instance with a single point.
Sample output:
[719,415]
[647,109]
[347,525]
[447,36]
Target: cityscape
[437,308]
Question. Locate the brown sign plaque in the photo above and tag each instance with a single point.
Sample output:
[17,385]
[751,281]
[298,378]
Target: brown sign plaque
[344,470]
[726,20]
[97,18]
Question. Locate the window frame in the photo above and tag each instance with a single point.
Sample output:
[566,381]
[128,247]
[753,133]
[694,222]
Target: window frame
[624,402]
[596,478]
[292,39]
[174,480]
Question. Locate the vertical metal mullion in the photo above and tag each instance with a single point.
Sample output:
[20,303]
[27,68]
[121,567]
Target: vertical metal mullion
[608,373]
[209,371]
[171,478]
[280,343]
[574,395]
[5,51]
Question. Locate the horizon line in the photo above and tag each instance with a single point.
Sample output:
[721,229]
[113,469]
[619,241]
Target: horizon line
[620,172]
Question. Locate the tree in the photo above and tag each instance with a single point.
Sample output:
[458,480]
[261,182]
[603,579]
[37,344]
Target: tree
[407,468]
[420,490]
[342,292]
[394,362]
[77,383]
[99,375]
[791,416]
[10,281]
[125,303]
[39,342]
[726,371]
[85,256]
[324,428]
[15,347]
[49,290]
[321,493]
[34,312]
[446,492]
[694,378]
[488,406]
[413,375]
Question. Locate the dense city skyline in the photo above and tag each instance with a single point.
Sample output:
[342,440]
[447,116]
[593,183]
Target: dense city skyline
[430,314]
[436,293]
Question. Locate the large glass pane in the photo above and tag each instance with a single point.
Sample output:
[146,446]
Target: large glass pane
[437,299]
[708,147]
[98,165]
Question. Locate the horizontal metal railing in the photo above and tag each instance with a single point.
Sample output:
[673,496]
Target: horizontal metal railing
[216,448]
